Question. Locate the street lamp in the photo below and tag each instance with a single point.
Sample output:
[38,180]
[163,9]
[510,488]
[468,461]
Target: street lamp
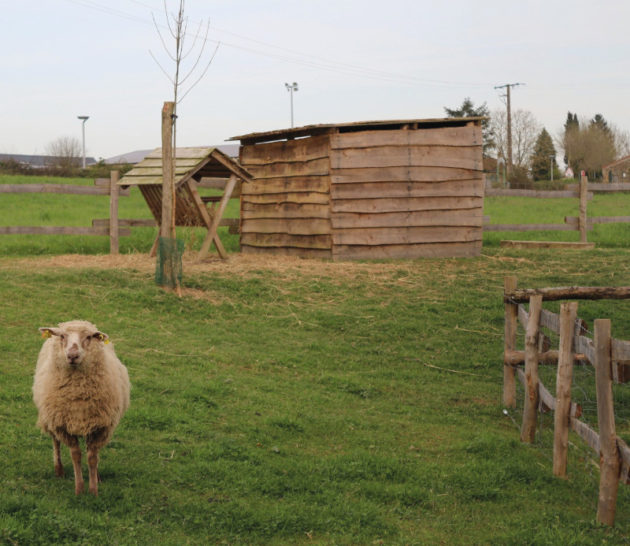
[84,119]
[290,88]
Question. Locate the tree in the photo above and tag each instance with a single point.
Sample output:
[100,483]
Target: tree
[525,129]
[571,124]
[544,157]
[588,145]
[467,110]
[64,154]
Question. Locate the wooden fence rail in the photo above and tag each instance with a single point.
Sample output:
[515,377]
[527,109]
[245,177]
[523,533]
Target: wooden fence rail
[583,191]
[607,355]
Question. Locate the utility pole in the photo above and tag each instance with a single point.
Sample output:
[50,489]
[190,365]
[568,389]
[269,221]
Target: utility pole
[83,119]
[508,87]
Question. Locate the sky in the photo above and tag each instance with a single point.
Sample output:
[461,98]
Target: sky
[353,60]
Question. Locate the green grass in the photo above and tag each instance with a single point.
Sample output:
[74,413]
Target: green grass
[311,403]
[299,402]
[79,210]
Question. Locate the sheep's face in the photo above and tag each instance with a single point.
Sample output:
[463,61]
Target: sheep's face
[75,342]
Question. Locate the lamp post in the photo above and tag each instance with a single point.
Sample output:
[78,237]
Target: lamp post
[83,119]
[290,88]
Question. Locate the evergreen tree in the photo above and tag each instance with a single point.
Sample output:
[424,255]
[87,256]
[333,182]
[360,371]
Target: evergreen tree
[467,110]
[541,159]
[571,127]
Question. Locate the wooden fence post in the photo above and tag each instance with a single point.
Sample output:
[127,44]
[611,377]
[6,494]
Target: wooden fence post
[114,176]
[583,200]
[528,428]
[511,322]
[609,454]
[562,415]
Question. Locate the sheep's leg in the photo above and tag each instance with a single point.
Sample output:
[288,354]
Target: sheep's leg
[75,451]
[92,456]
[57,458]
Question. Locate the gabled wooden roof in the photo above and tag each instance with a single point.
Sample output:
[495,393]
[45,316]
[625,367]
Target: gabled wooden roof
[189,162]
[328,128]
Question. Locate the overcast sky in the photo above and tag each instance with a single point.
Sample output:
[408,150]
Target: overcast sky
[354,60]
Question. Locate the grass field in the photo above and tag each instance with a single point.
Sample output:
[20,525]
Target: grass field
[289,401]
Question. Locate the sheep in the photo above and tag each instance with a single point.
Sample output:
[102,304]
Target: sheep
[80,389]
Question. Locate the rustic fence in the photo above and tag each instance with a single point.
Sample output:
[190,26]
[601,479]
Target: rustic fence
[610,358]
[582,191]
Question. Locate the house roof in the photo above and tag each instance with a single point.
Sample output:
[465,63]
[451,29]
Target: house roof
[189,162]
[617,162]
[327,128]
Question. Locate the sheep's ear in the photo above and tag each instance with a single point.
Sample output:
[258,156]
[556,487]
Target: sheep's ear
[47,332]
[101,336]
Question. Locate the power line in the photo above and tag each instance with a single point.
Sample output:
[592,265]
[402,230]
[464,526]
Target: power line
[288,55]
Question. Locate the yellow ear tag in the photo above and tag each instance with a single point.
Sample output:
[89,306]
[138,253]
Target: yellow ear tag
[106,341]
[46,334]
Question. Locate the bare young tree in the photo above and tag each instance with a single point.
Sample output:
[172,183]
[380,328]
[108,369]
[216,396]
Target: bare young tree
[525,130]
[169,261]
[64,153]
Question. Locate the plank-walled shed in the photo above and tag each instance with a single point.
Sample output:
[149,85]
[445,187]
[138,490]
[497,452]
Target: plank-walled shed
[369,190]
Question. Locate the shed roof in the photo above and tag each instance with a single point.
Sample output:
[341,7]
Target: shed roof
[189,162]
[617,162]
[327,128]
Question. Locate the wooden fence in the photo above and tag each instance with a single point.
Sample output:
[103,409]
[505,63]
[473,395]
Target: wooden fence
[610,358]
[582,191]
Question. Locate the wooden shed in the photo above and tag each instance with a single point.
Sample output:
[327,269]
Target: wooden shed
[368,190]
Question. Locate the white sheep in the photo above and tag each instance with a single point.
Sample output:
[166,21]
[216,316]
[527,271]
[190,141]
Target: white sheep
[80,389]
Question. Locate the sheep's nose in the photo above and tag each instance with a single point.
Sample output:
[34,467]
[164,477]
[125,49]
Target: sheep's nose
[73,353]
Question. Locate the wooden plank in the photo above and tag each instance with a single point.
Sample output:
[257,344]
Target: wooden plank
[509,343]
[402,174]
[620,350]
[440,136]
[400,204]
[294,226]
[369,190]
[212,235]
[530,409]
[412,235]
[550,320]
[573,220]
[548,244]
[157,163]
[572,292]
[523,314]
[528,227]
[288,150]
[465,217]
[319,184]
[564,376]
[516,358]
[184,153]
[54,188]
[287,251]
[284,210]
[286,240]
[142,171]
[125,222]
[542,194]
[314,167]
[585,346]
[609,458]
[312,198]
[408,251]
[394,156]
[58,230]
[586,433]
[598,187]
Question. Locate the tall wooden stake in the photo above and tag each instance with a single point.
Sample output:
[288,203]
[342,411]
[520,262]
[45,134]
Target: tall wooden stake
[562,416]
[511,322]
[530,409]
[114,176]
[609,454]
[167,226]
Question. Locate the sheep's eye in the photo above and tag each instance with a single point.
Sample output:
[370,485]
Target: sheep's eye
[63,338]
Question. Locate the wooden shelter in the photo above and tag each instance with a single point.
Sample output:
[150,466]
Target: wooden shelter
[380,189]
[194,168]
